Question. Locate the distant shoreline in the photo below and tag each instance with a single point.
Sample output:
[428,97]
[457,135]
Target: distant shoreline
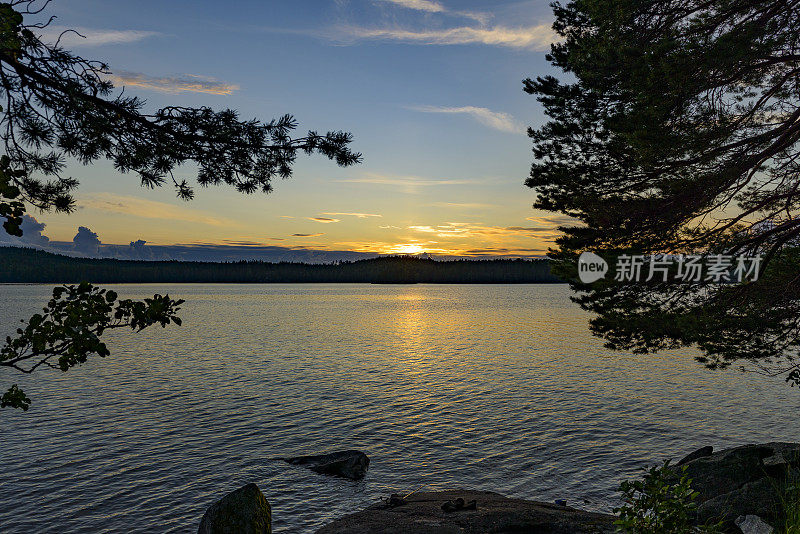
[31,266]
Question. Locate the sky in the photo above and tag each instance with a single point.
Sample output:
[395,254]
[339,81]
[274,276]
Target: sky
[430,89]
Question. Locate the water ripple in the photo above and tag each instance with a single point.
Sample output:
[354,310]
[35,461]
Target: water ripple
[493,387]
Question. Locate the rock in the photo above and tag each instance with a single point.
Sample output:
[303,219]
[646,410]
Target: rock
[699,453]
[346,464]
[752,524]
[776,460]
[244,511]
[759,497]
[422,514]
[726,470]
[742,481]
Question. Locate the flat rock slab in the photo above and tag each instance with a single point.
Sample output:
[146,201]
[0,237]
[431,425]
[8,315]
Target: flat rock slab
[347,464]
[495,514]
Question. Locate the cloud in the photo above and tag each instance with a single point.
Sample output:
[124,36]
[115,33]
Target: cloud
[411,184]
[526,229]
[221,253]
[358,215]
[32,231]
[473,238]
[185,83]
[92,36]
[136,250]
[501,251]
[429,6]
[241,243]
[323,220]
[420,5]
[464,205]
[31,234]
[537,38]
[150,209]
[86,242]
[410,246]
[555,220]
[463,230]
[493,119]
[415,246]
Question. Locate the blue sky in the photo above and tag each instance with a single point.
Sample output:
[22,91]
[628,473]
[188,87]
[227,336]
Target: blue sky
[431,91]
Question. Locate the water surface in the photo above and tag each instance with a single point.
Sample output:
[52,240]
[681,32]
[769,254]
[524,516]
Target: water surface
[495,387]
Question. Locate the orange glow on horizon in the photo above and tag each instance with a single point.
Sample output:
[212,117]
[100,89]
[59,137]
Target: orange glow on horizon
[408,249]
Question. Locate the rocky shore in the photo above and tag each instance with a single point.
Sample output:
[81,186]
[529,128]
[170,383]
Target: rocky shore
[743,487]
[422,514]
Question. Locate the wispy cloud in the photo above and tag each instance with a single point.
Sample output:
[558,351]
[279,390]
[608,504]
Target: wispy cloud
[249,243]
[420,5]
[323,220]
[306,235]
[359,215]
[463,230]
[417,246]
[555,220]
[92,36]
[503,251]
[493,119]
[150,209]
[430,6]
[537,37]
[461,205]
[469,238]
[185,83]
[411,184]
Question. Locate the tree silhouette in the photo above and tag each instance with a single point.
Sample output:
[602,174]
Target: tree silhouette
[56,105]
[69,329]
[678,133]
[26,265]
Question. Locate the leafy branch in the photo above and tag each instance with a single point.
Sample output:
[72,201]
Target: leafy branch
[663,502]
[69,329]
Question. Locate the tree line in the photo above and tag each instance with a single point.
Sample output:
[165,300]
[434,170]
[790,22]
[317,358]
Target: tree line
[25,265]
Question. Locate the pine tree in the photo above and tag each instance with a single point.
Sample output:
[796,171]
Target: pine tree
[676,132]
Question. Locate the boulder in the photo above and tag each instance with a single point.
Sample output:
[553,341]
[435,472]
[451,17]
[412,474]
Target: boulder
[742,481]
[760,497]
[345,464]
[422,513]
[699,453]
[244,511]
[727,470]
[752,524]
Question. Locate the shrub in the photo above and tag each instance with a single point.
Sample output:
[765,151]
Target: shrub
[662,502]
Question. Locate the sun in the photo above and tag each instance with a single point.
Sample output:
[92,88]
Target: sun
[408,249]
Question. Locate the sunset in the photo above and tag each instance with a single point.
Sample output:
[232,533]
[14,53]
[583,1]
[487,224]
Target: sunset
[431,94]
[400,267]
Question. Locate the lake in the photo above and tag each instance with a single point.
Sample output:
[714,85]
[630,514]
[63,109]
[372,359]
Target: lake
[493,387]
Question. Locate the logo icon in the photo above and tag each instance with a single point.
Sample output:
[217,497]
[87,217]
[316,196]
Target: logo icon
[591,267]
